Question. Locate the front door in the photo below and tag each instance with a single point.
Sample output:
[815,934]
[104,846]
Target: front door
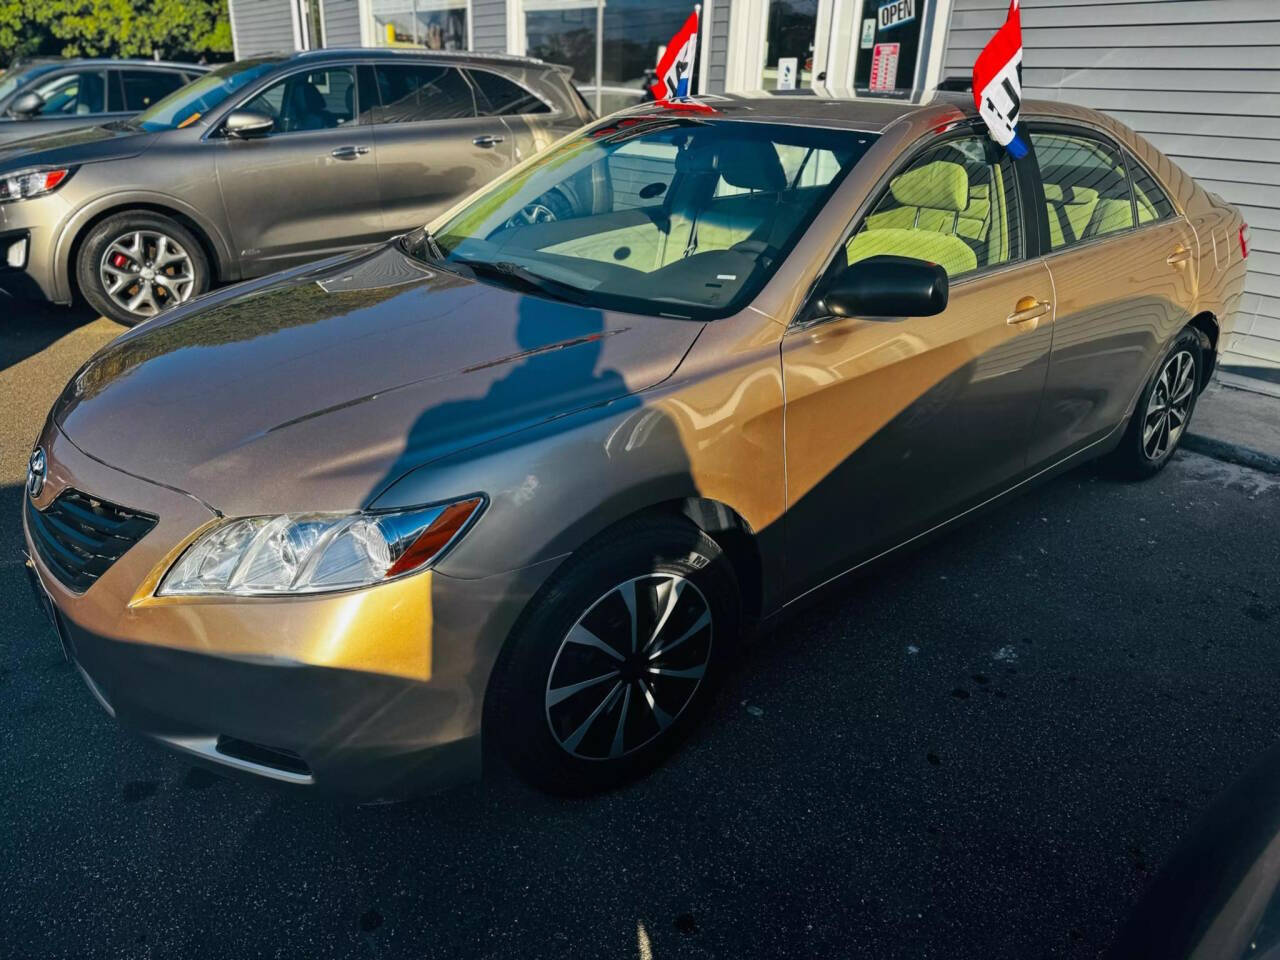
[896,425]
[1123,266]
[432,148]
[310,187]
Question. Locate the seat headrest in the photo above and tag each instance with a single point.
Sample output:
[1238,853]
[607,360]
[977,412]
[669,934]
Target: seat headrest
[940,185]
[746,164]
[1056,194]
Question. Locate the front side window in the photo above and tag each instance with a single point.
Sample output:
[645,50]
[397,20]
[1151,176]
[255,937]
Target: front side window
[414,92]
[142,88]
[1086,187]
[654,214]
[313,100]
[74,94]
[956,205]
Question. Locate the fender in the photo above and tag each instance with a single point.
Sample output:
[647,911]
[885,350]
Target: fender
[225,266]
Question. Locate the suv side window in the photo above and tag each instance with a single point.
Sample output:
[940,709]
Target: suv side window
[142,88]
[312,100]
[1086,187]
[414,92]
[498,96]
[956,205]
[74,94]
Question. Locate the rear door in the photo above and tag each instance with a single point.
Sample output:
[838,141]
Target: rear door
[532,120]
[310,188]
[433,148]
[894,425]
[1124,274]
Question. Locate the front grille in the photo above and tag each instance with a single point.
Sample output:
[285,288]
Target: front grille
[79,537]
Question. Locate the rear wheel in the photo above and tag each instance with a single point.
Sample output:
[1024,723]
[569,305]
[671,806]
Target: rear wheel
[616,659]
[1164,410]
[137,264]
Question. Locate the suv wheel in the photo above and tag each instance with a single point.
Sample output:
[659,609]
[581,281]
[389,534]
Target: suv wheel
[135,265]
[616,659]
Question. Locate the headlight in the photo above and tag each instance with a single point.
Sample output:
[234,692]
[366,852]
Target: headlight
[32,183]
[314,553]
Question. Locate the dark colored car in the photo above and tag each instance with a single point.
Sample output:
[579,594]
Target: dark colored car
[265,164]
[529,475]
[48,96]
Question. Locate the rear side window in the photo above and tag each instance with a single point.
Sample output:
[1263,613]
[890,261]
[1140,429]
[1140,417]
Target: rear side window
[142,88]
[956,205]
[1086,188]
[1153,203]
[498,96]
[415,92]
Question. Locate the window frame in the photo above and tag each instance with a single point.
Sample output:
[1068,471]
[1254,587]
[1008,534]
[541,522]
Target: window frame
[1079,128]
[218,128]
[1024,171]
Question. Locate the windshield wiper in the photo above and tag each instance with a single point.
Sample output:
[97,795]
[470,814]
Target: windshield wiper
[505,269]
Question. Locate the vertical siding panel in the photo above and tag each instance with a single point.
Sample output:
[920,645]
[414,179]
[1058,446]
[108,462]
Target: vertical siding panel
[341,23]
[489,25]
[263,26]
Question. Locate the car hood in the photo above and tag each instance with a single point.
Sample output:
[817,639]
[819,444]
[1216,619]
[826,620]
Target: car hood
[316,389]
[77,145]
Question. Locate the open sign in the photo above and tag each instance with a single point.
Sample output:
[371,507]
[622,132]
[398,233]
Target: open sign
[896,13]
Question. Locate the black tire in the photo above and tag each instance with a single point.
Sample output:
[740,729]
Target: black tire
[90,262]
[539,660]
[1140,455]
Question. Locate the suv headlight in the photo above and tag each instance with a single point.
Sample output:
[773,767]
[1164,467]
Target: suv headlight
[32,183]
[315,553]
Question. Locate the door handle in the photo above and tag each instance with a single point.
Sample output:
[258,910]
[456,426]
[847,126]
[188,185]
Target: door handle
[1028,309]
[1179,256]
[348,152]
[488,140]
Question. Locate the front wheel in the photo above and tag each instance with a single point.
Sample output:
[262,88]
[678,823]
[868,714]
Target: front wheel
[137,264]
[1163,412]
[616,658]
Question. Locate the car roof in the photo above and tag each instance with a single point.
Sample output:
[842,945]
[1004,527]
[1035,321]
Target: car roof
[58,63]
[383,53]
[847,111]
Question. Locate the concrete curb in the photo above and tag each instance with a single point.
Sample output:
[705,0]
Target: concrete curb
[1231,453]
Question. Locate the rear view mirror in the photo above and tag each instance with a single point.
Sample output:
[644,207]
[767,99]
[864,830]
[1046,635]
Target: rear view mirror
[248,124]
[887,286]
[27,105]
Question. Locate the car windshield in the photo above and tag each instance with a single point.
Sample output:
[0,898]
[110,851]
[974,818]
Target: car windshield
[677,212]
[14,79]
[187,105]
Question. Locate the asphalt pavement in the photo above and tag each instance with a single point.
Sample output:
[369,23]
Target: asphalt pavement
[983,750]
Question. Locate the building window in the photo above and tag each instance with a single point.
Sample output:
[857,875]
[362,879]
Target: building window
[428,24]
[788,52]
[564,31]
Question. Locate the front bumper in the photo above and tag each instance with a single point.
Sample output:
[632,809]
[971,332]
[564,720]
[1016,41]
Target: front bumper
[35,224]
[371,693]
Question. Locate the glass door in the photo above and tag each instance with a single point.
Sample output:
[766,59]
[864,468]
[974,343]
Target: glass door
[788,51]
[888,47]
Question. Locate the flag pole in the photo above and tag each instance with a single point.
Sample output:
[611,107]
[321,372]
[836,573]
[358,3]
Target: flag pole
[599,55]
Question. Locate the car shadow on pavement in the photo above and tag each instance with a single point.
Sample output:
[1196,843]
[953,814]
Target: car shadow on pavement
[29,326]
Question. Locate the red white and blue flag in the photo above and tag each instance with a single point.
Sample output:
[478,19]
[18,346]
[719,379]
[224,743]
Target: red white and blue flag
[675,69]
[997,84]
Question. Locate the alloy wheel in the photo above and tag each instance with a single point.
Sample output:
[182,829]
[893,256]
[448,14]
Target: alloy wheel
[145,272]
[629,666]
[1170,405]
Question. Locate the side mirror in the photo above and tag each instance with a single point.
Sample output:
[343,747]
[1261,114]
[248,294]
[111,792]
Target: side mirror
[248,124]
[887,286]
[27,105]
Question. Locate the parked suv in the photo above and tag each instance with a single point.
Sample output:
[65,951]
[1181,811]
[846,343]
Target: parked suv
[53,95]
[264,164]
